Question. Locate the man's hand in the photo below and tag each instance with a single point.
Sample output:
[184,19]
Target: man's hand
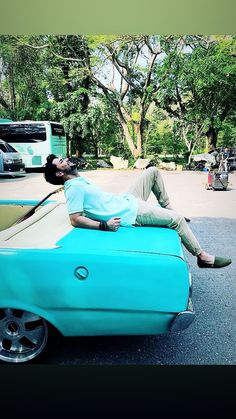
[113,224]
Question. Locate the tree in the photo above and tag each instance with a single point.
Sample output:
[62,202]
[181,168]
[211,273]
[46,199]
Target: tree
[191,78]
[70,89]
[129,84]
[227,135]
[101,127]
[64,82]
[198,79]
[22,91]
[162,135]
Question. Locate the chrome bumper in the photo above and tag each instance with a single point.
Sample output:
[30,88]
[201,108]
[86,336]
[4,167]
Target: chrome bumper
[183,319]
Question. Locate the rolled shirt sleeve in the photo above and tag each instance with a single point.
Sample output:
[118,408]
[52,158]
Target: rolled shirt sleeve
[74,198]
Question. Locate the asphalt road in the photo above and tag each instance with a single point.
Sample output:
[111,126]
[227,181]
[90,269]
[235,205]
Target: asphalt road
[211,339]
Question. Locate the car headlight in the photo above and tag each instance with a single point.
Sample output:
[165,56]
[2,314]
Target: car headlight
[8,161]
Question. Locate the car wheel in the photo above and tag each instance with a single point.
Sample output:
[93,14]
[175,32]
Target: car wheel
[23,335]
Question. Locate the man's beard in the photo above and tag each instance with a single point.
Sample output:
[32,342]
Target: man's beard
[71,170]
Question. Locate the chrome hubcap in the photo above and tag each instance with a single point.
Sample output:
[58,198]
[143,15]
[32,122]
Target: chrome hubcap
[12,328]
[23,335]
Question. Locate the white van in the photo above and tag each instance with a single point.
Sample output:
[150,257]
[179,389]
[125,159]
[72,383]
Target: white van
[11,162]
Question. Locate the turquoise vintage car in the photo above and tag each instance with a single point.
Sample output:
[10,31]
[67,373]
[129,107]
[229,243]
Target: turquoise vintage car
[85,282]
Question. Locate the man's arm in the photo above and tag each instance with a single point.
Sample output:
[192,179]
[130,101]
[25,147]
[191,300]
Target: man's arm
[78,220]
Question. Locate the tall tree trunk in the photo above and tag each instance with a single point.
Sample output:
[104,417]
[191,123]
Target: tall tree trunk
[78,146]
[68,147]
[124,118]
[135,151]
[96,153]
[12,89]
[212,134]
[94,140]
[139,135]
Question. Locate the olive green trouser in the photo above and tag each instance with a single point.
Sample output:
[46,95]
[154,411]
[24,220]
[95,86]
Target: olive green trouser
[151,214]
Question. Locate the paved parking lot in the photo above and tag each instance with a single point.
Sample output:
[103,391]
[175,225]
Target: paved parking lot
[211,339]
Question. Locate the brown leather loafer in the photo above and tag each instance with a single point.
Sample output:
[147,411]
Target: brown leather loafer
[218,263]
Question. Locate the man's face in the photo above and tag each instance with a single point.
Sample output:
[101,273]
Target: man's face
[65,165]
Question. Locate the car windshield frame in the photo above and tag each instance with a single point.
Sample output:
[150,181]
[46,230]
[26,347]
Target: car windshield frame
[8,147]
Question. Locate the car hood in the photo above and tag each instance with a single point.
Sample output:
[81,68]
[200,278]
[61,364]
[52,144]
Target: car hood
[50,228]
[12,156]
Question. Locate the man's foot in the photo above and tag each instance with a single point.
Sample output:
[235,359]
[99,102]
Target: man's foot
[218,262]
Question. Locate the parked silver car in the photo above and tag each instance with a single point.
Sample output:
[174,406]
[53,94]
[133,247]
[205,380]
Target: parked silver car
[11,162]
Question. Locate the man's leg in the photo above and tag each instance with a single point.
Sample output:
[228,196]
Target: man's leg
[150,181]
[155,215]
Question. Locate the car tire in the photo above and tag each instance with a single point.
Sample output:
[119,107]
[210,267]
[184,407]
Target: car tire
[23,335]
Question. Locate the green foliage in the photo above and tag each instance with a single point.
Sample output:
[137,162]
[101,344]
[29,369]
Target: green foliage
[22,91]
[198,85]
[101,128]
[162,136]
[95,41]
[192,84]
[227,135]
[131,161]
